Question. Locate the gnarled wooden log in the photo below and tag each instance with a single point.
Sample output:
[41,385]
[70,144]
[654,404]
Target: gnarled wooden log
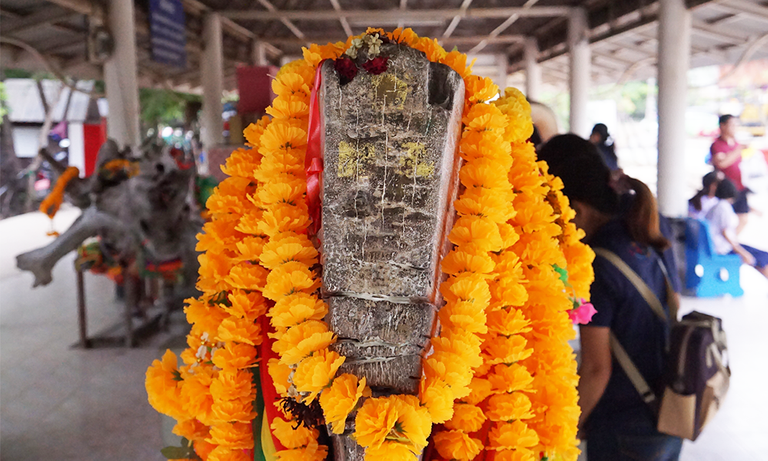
[41,261]
[389,182]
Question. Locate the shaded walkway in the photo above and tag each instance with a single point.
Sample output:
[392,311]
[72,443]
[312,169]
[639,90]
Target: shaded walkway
[61,403]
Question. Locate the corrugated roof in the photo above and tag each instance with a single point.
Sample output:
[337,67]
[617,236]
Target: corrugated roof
[25,106]
[622,32]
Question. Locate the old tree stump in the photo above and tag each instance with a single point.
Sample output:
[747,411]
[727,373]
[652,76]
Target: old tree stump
[389,182]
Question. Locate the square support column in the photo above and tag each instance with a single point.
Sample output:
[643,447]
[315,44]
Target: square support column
[212,76]
[502,66]
[532,69]
[674,58]
[579,77]
[120,76]
[259,51]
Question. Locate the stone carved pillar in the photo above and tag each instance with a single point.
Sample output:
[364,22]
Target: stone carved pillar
[390,179]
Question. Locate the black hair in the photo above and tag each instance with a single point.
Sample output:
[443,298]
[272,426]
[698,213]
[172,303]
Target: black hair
[726,189]
[535,138]
[602,130]
[587,179]
[724,118]
[713,177]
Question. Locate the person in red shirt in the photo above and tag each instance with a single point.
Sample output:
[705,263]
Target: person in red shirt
[726,157]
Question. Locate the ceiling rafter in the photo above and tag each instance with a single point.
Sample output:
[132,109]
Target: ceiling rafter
[41,18]
[707,30]
[713,52]
[281,16]
[504,26]
[455,21]
[395,15]
[86,7]
[343,19]
[450,41]
[754,10]
[198,9]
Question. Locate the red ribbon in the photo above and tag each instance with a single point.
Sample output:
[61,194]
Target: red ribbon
[267,384]
[313,162]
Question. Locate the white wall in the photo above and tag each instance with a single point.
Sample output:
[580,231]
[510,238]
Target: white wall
[26,141]
[76,147]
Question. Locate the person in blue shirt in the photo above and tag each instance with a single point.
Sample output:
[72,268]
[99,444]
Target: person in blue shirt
[615,421]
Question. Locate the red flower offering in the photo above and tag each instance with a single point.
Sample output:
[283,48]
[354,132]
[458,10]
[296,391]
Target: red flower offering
[376,66]
[346,68]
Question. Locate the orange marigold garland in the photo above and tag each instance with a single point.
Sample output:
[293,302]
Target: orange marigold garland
[211,395]
[51,203]
[553,399]
[500,376]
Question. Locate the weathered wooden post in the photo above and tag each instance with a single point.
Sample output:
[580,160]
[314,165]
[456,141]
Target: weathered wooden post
[389,183]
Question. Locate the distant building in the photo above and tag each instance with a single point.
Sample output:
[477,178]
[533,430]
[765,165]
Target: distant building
[82,121]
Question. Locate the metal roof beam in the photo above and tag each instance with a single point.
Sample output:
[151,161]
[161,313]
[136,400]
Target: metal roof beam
[85,7]
[455,21]
[470,40]
[755,10]
[69,45]
[706,30]
[396,14]
[615,60]
[281,16]
[695,49]
[229,26]
[502,27]
[342,20]
[41,18]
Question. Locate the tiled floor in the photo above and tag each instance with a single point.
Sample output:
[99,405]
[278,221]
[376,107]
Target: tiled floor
[64,403]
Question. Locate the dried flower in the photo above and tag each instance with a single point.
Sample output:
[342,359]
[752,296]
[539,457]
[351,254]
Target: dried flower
[346,68]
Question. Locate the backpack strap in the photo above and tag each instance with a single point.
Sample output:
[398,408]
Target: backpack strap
[672,300]
[634,375]
[641,385]
[645,291]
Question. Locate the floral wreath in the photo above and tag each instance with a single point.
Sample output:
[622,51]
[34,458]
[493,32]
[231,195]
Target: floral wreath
[499,378]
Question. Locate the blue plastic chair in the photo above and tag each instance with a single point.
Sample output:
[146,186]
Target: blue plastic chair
[708,274]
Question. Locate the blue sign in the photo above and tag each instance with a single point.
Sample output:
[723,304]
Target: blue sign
[168,32]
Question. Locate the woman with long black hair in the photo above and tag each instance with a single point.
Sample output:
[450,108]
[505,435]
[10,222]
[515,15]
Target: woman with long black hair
[616,422]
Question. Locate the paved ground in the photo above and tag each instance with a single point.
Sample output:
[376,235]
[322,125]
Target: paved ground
[63,403]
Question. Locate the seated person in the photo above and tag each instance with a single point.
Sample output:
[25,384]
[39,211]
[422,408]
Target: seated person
[604,143]
[723,224]
[705,199]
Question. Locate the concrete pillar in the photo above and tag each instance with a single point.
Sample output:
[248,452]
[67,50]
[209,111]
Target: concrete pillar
[674,56]
[212,76]
[532,69]
[120,76]
[259,54]
[502,66]
[579,77]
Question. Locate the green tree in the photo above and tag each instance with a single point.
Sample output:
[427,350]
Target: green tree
[163,106]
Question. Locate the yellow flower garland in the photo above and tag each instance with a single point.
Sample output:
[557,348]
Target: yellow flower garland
[502,323]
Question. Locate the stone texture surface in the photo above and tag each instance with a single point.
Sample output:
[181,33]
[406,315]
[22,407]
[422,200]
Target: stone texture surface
[389,147]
